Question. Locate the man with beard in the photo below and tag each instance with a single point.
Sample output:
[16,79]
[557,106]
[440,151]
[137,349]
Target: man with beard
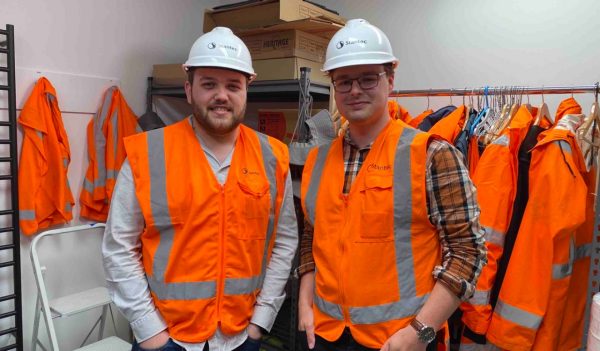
[202,231]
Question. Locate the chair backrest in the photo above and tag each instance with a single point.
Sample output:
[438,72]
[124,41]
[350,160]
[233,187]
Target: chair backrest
[66,279]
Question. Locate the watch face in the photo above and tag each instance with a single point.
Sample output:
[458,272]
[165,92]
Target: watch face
[427,335]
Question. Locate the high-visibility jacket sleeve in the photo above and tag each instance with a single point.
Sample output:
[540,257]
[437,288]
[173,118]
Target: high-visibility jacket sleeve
[30,174]
[532,299]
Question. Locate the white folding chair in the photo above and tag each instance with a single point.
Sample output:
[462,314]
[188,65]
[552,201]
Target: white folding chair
[69,305]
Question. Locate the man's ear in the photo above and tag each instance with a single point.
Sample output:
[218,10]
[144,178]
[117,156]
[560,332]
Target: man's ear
[390,80]
[188,91]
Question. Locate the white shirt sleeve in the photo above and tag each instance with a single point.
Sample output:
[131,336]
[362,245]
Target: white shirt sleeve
[272,294]
[121,249]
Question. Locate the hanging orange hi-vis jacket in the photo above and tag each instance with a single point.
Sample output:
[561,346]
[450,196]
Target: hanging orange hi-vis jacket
[106,153]
[496,182]
[396,111]
[45,197]
[374,254]
[533,297]
[450,126]
[206,246]
[417,120]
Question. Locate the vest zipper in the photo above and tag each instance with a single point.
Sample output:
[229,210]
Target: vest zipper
[221,287]
[343,264]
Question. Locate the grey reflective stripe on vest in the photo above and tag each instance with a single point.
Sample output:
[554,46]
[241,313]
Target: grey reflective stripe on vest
[583,251]
[241,286]
[315,181]
[560,271]
[405,265]
[494,236]
[27,215]
[331,309]
[387,312]
[68,207]
[65,162]
[183,291]
[162,221]
[480,298]
[517,315]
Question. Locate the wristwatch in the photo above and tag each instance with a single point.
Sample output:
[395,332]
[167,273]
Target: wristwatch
[425,333]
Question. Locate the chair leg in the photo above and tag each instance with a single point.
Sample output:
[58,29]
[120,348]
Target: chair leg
[102,321]
[36,324]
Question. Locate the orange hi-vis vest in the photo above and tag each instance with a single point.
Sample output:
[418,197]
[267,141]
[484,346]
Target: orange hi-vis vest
[106,153]
[417,120]
[450,126]
[496,182]
[374,248]
[533,297]
[206,246]
[45,197]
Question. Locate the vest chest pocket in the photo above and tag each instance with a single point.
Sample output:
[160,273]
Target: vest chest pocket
[254,205]
[376,218]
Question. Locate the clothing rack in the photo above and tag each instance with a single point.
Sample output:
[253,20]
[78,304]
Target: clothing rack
[594,275]
[575,89]
[7,47]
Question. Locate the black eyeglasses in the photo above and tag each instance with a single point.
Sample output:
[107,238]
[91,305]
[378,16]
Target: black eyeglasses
[367,81]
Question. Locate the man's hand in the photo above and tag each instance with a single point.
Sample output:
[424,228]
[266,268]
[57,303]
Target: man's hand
[306,319]
[404,339]
[254,332]
[157,341]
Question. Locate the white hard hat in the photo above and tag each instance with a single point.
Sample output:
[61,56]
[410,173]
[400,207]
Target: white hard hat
[220,48]
[358,43]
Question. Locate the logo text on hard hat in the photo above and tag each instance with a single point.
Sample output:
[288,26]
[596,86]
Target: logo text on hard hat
[340,44]
[352,42]
[212,45]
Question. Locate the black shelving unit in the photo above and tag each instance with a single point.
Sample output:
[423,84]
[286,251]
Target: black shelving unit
[7,47]
[283,336]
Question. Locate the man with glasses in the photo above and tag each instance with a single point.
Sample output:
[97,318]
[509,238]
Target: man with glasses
[392,240]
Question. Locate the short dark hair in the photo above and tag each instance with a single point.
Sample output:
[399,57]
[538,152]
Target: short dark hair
[388,68]
[190,74]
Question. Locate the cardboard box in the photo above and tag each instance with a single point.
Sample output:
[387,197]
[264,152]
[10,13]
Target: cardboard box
[289,68]
[278,123]
[317,26]
[168,75]
[251,14]
[290,43]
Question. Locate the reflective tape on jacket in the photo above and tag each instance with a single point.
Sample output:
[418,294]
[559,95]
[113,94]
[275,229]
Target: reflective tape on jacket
[235,221]
[389,184]
[106,153]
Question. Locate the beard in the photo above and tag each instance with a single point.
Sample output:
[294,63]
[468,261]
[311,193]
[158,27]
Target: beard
[218,125]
